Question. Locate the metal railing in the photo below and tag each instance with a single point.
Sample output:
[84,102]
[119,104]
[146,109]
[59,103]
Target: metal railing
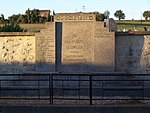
[74,88]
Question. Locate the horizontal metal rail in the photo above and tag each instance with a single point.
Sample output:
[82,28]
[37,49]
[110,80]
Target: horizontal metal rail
[91,87]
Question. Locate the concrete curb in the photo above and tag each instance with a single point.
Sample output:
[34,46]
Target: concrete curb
[74,109]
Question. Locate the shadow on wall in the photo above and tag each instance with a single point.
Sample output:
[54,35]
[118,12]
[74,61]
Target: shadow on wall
[22,68]
[84,68]
[76,64]
[132,54]
[73,68]
[16,67]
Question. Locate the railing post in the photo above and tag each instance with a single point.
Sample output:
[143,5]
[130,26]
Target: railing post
[0,89]
[144,90]
[50,89]
[102,91]
[39,88]
[90,88]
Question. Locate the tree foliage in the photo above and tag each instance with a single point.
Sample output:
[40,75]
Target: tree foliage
[99,16]
[102,16]
[22,19]
[54,13]
[146,14]
[106,14]
[11,28]
[13,18]
[119,14]
[30,17]
[2,19]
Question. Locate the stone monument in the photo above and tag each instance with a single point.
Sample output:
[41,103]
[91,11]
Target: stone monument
[75,43]
[111,24]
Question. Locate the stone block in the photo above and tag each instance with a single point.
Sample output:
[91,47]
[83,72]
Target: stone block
[45,49]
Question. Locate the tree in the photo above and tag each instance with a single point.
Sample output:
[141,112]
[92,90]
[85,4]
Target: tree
[102,17]
[54,13]
[28,16]
[146,14]
[35,16]
[42,19]
[11,28]
[22,19]
[48,18]
[119,14]
[106,14]
[99,16]
[13,18]
[2,18]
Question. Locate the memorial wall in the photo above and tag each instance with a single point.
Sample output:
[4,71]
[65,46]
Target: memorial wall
[45,49]
[133,53]
[75,43]
[82,45]
[17,53]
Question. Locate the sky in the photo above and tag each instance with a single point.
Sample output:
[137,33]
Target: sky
[133,9]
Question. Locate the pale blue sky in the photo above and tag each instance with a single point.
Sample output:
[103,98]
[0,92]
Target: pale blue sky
[131,8]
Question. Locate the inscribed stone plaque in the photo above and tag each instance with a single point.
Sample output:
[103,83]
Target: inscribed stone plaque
[45,49]
[104,49]
[61,17]
[77,46]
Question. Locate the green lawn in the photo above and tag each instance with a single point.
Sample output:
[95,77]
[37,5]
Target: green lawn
[122,24]
[132,24]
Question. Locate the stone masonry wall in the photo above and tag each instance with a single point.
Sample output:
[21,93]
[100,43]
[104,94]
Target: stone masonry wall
[45,48]
[104,49]
[77,47]
[17,53]
[61,17]
[133,53]
[145,55]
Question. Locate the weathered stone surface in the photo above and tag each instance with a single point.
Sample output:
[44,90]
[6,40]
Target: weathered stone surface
[111,25]
[75,43]
[17,34]
[17,54]
[133,53]
[145,55]
[45,49]
[104,49]
[61,17]
[77,47]
[80,44]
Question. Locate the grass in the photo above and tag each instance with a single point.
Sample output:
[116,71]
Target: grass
[122,24]
[33,27]
[131,24]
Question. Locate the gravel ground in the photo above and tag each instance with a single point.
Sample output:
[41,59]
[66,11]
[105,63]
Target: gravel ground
[84,100]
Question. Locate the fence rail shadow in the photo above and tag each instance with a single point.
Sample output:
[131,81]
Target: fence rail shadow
[75,89]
